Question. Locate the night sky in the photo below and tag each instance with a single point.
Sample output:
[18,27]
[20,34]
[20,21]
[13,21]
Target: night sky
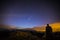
[29,13]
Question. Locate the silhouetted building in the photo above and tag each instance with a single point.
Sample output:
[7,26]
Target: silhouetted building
[48,32]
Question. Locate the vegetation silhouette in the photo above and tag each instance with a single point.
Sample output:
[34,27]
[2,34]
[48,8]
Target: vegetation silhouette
[20,34]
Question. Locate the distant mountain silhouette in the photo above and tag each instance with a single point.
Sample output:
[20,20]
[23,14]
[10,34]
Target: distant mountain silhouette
[2,26]
[55,26]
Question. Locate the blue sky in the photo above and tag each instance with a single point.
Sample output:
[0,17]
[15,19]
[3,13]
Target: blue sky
[29,13]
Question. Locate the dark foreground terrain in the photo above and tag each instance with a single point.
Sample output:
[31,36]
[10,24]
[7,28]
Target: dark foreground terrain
[25,35]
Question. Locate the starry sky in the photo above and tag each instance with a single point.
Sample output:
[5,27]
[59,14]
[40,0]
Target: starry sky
[29,13]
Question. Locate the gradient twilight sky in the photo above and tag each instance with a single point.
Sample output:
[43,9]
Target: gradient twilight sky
[29,13]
